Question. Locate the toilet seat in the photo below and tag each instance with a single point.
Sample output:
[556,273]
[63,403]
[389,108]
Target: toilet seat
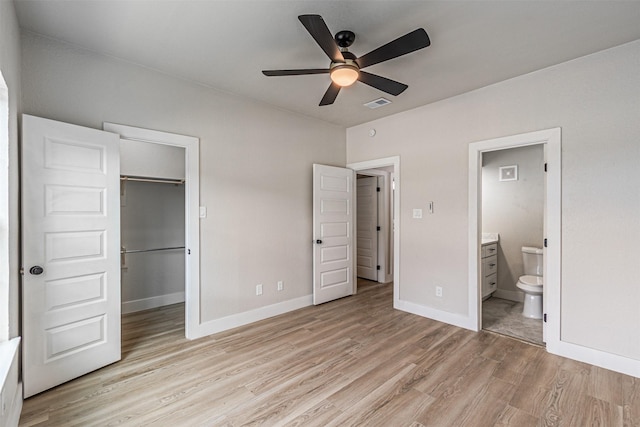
[531,280]
[531,284]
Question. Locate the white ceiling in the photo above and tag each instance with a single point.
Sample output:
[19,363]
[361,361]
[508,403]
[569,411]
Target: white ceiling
[226,44]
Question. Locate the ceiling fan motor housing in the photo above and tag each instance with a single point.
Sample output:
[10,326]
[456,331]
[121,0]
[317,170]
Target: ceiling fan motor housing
[345,38]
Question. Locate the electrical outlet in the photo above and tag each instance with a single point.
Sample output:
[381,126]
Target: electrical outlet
[438,291]
[259,289]
[280,285]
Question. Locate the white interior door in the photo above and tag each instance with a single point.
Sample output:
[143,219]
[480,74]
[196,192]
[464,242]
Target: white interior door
[367,226]
[333,205]
[71,245]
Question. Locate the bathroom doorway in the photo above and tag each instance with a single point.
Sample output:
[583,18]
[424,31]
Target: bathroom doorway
[512,203]
[550,140]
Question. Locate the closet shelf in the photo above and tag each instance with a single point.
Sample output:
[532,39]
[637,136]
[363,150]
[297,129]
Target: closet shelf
[126,178]
[134,251]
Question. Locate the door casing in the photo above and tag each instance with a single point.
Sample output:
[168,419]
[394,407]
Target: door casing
[193,327]
[395,221]
[552,216]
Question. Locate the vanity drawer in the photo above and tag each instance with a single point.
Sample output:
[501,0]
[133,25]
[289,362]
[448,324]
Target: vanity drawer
[489,265]
[488,250]
[489,284]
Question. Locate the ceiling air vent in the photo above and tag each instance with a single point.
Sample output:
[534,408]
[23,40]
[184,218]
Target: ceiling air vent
[376,103]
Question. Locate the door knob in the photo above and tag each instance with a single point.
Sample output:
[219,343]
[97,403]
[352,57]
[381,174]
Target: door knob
[318,241]
[36,270]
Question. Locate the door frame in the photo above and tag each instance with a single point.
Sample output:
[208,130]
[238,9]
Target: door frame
[395,221]
[552,225]
[193,327]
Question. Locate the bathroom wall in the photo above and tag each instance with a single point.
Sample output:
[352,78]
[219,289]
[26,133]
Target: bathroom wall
[515,209]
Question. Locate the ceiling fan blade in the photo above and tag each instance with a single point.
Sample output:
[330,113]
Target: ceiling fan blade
[382,83]
[274,73]
[330,95]
[320,32]
[408,43]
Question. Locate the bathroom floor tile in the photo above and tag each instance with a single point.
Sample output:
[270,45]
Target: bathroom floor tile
[505,317]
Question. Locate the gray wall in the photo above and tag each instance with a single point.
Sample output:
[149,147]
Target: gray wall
[255,164]
[514,209]
[596,101]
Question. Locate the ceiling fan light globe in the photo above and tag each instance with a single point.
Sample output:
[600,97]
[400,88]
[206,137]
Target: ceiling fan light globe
[344,75]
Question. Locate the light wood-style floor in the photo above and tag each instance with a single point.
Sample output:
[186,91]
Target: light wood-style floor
[354,361]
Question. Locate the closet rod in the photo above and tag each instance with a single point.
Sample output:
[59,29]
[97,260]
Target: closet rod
[158,180]
[134,251]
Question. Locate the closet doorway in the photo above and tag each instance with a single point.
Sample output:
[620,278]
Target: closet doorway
[159,198]
[152,225]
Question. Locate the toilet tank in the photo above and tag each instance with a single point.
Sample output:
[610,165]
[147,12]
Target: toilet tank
[532,259]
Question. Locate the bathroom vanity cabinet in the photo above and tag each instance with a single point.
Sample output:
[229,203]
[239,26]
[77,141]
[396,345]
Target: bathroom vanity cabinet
[489,268]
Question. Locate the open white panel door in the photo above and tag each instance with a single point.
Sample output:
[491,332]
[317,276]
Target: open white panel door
[367,226]
[71,251]
[333,203]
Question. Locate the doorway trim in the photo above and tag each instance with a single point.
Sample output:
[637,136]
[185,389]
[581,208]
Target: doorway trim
[552,224]
[395,221]
[193,327]
[5,213]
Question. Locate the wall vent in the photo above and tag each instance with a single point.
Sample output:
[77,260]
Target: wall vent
[376,103]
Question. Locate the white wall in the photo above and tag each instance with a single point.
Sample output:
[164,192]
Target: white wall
[596,102]
[10,67]
[514,209]
[144,159]
[255,164]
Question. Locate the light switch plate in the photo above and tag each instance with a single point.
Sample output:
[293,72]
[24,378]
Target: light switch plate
[203,211]
[417,213]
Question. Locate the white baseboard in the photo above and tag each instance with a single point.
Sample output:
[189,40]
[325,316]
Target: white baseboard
[599,358]
[431,313]
[153,302]
[244,318]
[594,357]
[517,296]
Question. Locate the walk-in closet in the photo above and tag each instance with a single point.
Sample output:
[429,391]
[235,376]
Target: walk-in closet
[152,225]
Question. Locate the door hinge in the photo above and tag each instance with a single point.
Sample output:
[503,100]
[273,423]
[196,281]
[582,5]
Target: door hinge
[545,242]
[378,189]
[544,317]
[377,267]
[22,271]
[378,228]
[545,167]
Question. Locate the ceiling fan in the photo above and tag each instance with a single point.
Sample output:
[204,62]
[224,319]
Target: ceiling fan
[345,68]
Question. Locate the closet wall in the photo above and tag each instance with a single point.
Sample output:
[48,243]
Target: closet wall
[152,220]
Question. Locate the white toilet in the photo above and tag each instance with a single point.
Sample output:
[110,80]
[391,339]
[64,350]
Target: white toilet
[531,282]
